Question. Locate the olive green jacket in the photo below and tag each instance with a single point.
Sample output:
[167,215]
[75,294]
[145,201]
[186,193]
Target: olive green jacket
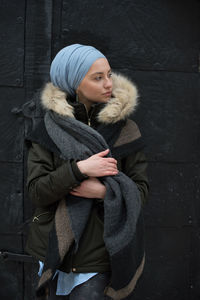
[50,178]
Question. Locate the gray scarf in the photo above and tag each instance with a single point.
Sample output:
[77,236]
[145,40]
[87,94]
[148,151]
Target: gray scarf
[122,206]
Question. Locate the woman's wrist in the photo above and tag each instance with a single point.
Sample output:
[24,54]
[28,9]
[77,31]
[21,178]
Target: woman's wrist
[77,173]
[80,165]
[102,192]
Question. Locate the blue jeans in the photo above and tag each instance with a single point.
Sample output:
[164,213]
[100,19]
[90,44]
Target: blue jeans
[90,290]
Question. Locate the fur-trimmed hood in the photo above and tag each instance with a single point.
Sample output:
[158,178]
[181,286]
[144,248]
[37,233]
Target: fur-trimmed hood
[123,102]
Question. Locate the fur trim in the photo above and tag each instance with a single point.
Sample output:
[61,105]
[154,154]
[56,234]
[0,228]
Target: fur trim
[123,102]
[55,99]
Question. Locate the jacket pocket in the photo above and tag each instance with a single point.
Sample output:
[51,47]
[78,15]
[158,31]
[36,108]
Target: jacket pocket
[43,222]
[40,228]
[43,218]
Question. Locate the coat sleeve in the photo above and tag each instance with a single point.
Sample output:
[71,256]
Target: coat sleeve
[135,167]
[47,184]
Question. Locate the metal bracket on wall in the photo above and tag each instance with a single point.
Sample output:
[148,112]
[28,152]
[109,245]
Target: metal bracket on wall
[5,256]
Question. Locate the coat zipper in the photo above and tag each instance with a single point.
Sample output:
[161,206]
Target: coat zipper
[89,118]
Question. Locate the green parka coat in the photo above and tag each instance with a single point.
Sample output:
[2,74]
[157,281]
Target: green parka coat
[50,177]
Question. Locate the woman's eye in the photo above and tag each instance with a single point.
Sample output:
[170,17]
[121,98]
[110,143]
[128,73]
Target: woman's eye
[98,78]
[110,75]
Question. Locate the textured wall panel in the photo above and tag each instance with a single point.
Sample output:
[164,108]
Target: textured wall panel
[38,44]
[11,196]
[166,274]
[173,199]
[144,35]
[12,15]
[11,278]
[11,219]
[195,263]
[11,126]
[168,114]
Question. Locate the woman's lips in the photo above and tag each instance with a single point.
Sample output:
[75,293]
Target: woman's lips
[107,94]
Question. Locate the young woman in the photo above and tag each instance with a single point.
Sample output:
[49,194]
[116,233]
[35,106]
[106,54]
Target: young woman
[87,179]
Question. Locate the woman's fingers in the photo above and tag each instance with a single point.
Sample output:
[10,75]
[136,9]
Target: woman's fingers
[108,159]
[96,165]
[74,193]
[112,165]
[108,166]
[111,160]
[108,171]
[112,170]
[103,153]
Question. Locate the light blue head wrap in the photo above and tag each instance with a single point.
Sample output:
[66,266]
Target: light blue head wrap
[71,64]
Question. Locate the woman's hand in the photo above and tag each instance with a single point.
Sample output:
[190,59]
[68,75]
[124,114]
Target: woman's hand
[90,188]
[97,165]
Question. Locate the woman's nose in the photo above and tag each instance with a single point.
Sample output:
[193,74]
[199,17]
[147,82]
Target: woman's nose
[108,83]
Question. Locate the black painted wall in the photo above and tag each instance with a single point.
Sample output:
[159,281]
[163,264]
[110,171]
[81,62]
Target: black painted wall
[156,43]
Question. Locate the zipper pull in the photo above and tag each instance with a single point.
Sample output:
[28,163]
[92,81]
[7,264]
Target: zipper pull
[89,122]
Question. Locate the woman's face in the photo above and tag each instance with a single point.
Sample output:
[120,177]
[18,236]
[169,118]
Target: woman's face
[96,86]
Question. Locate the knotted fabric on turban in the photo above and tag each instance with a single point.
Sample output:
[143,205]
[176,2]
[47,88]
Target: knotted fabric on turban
[71,64]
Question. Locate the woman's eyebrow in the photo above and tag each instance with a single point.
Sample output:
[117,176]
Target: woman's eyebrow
[99,72]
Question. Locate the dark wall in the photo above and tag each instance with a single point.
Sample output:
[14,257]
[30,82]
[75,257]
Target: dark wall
[156,43]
